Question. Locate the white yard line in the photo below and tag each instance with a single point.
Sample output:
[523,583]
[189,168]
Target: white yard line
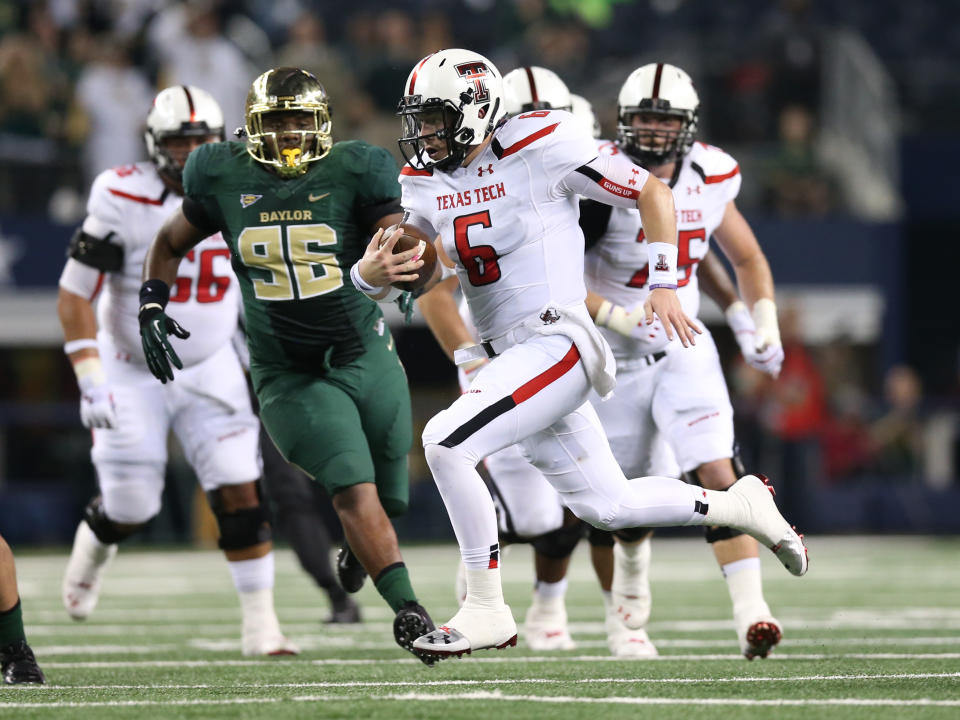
[506,681]
[505,659]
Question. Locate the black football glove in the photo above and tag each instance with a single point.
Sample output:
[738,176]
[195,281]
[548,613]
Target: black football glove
[155,327]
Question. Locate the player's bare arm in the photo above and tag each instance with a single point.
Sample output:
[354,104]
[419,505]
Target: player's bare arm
[440,311]
[79,321]
[715,281]
[739,244]
[658,215]
[174,240]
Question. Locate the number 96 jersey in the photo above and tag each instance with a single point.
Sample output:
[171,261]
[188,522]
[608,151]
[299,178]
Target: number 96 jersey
[126,208]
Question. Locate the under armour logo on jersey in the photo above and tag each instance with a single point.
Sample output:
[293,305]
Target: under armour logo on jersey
[692,190]
[661,265]
[549,316]
[633,180]
[246,199]
[489,169]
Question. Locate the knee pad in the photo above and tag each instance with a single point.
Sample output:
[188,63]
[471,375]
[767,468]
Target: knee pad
[103,527]
[242,528]
[632,535]
[559,543]
[130,493]
[599,538]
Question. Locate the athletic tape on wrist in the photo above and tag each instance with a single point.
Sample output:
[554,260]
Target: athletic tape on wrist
[72,346]
[89,372]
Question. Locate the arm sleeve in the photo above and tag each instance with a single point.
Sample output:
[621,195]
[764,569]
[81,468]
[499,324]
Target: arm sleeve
[594,219]
[609,179]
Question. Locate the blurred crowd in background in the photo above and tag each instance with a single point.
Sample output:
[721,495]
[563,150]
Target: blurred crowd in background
[77,78]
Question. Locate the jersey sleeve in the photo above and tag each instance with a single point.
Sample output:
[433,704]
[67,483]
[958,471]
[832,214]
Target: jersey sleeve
[718,170]
[196,183]
[566,146]
[104,214]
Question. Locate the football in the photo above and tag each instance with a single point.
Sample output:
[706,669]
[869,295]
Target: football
[413,238]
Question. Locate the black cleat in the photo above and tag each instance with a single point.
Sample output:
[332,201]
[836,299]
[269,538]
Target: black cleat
[18,665]
[349,570]
[344,612]
[411,622]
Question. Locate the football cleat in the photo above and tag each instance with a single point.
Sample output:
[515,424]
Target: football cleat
[19,666]
[545,625]
[472,628]
[411,622]
[759,638]
[349,570]
[631,585]
[266,642]
[345,612]
[83,577]
[765,523]
[625,642]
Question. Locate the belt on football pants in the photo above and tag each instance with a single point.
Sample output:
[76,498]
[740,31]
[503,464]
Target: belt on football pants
[646,360]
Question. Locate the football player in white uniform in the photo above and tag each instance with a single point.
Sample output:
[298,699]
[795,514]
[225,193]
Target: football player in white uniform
[503,199]
[130,414]
[664,392]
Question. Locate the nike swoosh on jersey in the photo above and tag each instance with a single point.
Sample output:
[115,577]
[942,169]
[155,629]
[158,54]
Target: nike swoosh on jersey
[313,198]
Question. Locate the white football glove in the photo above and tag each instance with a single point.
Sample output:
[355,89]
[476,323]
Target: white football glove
[97,408]
[632,322]
[768,357]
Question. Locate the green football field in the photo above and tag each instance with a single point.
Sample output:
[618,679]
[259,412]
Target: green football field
[872,632]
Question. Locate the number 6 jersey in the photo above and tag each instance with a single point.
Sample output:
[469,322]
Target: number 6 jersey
[126,208]
[509,219]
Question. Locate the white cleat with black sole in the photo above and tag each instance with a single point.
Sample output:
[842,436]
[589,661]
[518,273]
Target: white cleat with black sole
[472,628]
[764,522]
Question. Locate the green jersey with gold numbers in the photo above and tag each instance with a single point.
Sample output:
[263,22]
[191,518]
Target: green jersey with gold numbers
[292,243]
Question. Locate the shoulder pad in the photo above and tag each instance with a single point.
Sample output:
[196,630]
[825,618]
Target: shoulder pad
[98,253]
[526,129]
[712,164]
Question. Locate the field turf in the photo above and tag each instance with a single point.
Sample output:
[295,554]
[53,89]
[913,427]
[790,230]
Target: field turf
[872,632]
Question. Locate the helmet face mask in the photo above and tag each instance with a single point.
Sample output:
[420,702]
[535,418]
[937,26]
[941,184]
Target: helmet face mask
[288,123]
[453,102]
[655,93]
[181,118]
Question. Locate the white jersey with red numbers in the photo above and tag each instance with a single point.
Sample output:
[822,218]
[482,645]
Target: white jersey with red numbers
[616,266]
[129,204]
[509,219]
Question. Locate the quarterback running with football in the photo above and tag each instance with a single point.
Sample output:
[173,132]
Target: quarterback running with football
[296,212]
[503,199]
[129,413]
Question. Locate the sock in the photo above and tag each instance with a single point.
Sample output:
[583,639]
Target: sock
[546,591]
[745,587]
[11,625]
[252,575]
[393,584]
[481,558]
[484,588]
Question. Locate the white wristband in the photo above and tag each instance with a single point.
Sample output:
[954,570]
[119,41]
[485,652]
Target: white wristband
[361,284]
[89,372]
[765,318]
[662,262]
[72,346]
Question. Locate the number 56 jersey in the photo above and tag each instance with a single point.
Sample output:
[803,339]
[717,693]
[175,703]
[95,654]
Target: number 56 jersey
[509,219]
[127,206]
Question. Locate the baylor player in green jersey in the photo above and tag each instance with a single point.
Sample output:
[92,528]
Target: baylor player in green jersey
[296,212]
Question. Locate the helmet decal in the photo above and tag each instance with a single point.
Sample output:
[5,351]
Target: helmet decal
[477,72]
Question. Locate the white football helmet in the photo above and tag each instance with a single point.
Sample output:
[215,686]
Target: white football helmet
[583,111]
[452,100]
[657,89]
[534,88]
[180,111]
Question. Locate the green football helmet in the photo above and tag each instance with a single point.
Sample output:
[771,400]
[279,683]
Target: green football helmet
[288,90]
